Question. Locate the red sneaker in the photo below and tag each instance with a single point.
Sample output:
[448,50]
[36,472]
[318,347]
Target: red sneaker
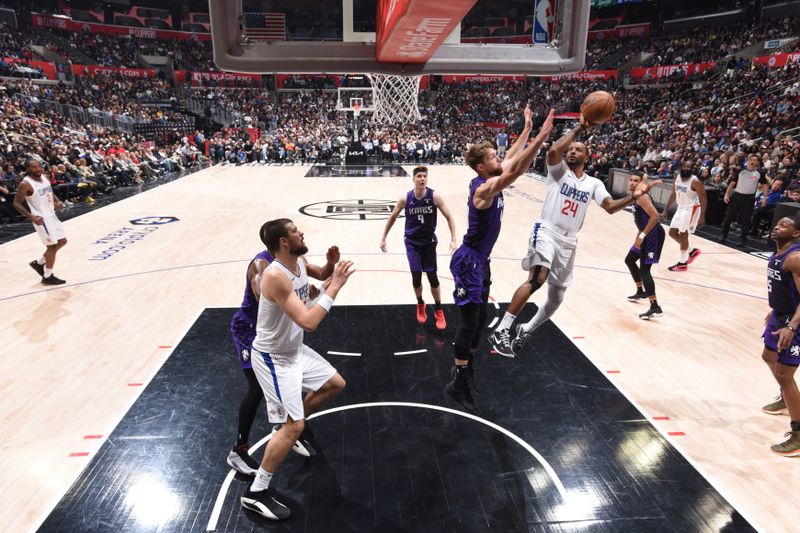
[678,267]
[441,323]
[422,316]
[693,255]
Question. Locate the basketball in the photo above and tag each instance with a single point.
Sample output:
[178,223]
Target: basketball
[598,107]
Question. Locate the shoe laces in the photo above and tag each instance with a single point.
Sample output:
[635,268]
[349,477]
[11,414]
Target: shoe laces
[505,336]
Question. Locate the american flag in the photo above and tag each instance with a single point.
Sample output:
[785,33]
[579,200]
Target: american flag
[265,26]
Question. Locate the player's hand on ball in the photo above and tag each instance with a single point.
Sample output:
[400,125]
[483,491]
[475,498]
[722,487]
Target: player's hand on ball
[341,273]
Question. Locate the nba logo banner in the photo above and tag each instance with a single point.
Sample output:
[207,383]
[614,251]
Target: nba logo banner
[542,14]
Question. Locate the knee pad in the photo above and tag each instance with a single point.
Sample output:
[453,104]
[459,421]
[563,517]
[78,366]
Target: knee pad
[433,279]
[416,279]
[534,281]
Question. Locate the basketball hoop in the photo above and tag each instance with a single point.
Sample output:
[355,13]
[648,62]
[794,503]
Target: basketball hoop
[396,98]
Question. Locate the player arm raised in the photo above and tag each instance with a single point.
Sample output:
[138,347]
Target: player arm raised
[439,202]
[787,332]
[555,154]
[519,144]
[23,192]
[484,194]
[700,189]
[276,287]
[322,273]
[399,206]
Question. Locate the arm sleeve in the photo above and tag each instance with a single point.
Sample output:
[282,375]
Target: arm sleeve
[556,172]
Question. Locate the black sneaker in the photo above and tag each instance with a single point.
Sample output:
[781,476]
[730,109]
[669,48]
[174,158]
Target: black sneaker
[500,339]
[653,312]
[37,267]
[461,388]
[52,280]
[640,295]
[241,461]
[264,503]
[520,339]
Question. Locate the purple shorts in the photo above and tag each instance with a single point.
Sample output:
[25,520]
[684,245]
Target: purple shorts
[652,245]
[791,355]
[243,332]
[472,276]
[421,258]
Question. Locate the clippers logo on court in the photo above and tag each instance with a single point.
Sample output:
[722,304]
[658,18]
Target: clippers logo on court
[350,209]
[125,237]
[153,221]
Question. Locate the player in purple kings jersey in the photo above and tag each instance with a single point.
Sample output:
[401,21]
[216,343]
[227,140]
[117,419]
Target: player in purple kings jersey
[420,205]
[781,341]
[243,331]
[646,249]
[470,263]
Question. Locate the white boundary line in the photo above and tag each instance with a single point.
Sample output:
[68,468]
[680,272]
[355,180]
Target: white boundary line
[349,354]
[738,508]
[223,491]
[410,352]
[45,514]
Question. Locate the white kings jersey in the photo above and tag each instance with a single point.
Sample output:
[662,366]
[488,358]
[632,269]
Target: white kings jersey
[684,193]
[568,197]
[276,333]
[40,202]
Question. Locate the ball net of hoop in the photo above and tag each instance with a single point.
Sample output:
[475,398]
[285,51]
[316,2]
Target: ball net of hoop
[395,98]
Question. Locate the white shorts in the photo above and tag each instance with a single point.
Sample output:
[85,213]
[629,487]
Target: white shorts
[555,251]
[51,231]
[686,219]
[284,379]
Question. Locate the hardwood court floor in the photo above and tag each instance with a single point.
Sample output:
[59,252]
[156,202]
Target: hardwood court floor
[75,358]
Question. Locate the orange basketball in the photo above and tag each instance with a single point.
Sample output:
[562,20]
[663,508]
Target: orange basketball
[598,107]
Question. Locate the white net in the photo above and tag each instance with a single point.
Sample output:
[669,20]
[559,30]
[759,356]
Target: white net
[395,98]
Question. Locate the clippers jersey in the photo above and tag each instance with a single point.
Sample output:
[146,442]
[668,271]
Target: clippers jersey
[684,193]
[420,218]
[483,224]
[40,203]
[276,333]
[783,297]
[568,197]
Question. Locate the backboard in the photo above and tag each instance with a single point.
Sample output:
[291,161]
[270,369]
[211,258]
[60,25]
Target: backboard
[530,37]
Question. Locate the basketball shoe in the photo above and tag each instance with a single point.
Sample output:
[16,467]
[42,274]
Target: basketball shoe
[500,340]
[37,267]
[778,407]
[422,315]
[241,461]
[264,503]
[301,446]
[441,323]
[520,339]
[694,254]
[653,312]
[679,267]
[789,447]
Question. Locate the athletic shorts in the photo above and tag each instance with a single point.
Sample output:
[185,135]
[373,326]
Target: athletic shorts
[284,378]
[243,332]
[472,276]
[650,252]
[421,258]
[51,231]
[686,219]
[791,355]
[556,251]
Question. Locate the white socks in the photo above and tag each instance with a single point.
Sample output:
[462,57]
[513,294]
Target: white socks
[41,260]
[262,480]
[48,272]
[684,256]
[506,322]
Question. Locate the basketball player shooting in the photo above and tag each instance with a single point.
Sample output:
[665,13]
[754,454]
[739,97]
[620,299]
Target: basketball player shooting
[551,249]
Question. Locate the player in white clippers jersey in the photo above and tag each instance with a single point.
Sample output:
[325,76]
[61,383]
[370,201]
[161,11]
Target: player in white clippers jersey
[551,249]
[284,366]
[35,190]
[690,215]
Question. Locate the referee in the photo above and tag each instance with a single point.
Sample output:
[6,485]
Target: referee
[741,202]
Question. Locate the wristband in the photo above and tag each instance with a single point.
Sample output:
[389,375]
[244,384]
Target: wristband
[790,328]
[642,235]
[326,302]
